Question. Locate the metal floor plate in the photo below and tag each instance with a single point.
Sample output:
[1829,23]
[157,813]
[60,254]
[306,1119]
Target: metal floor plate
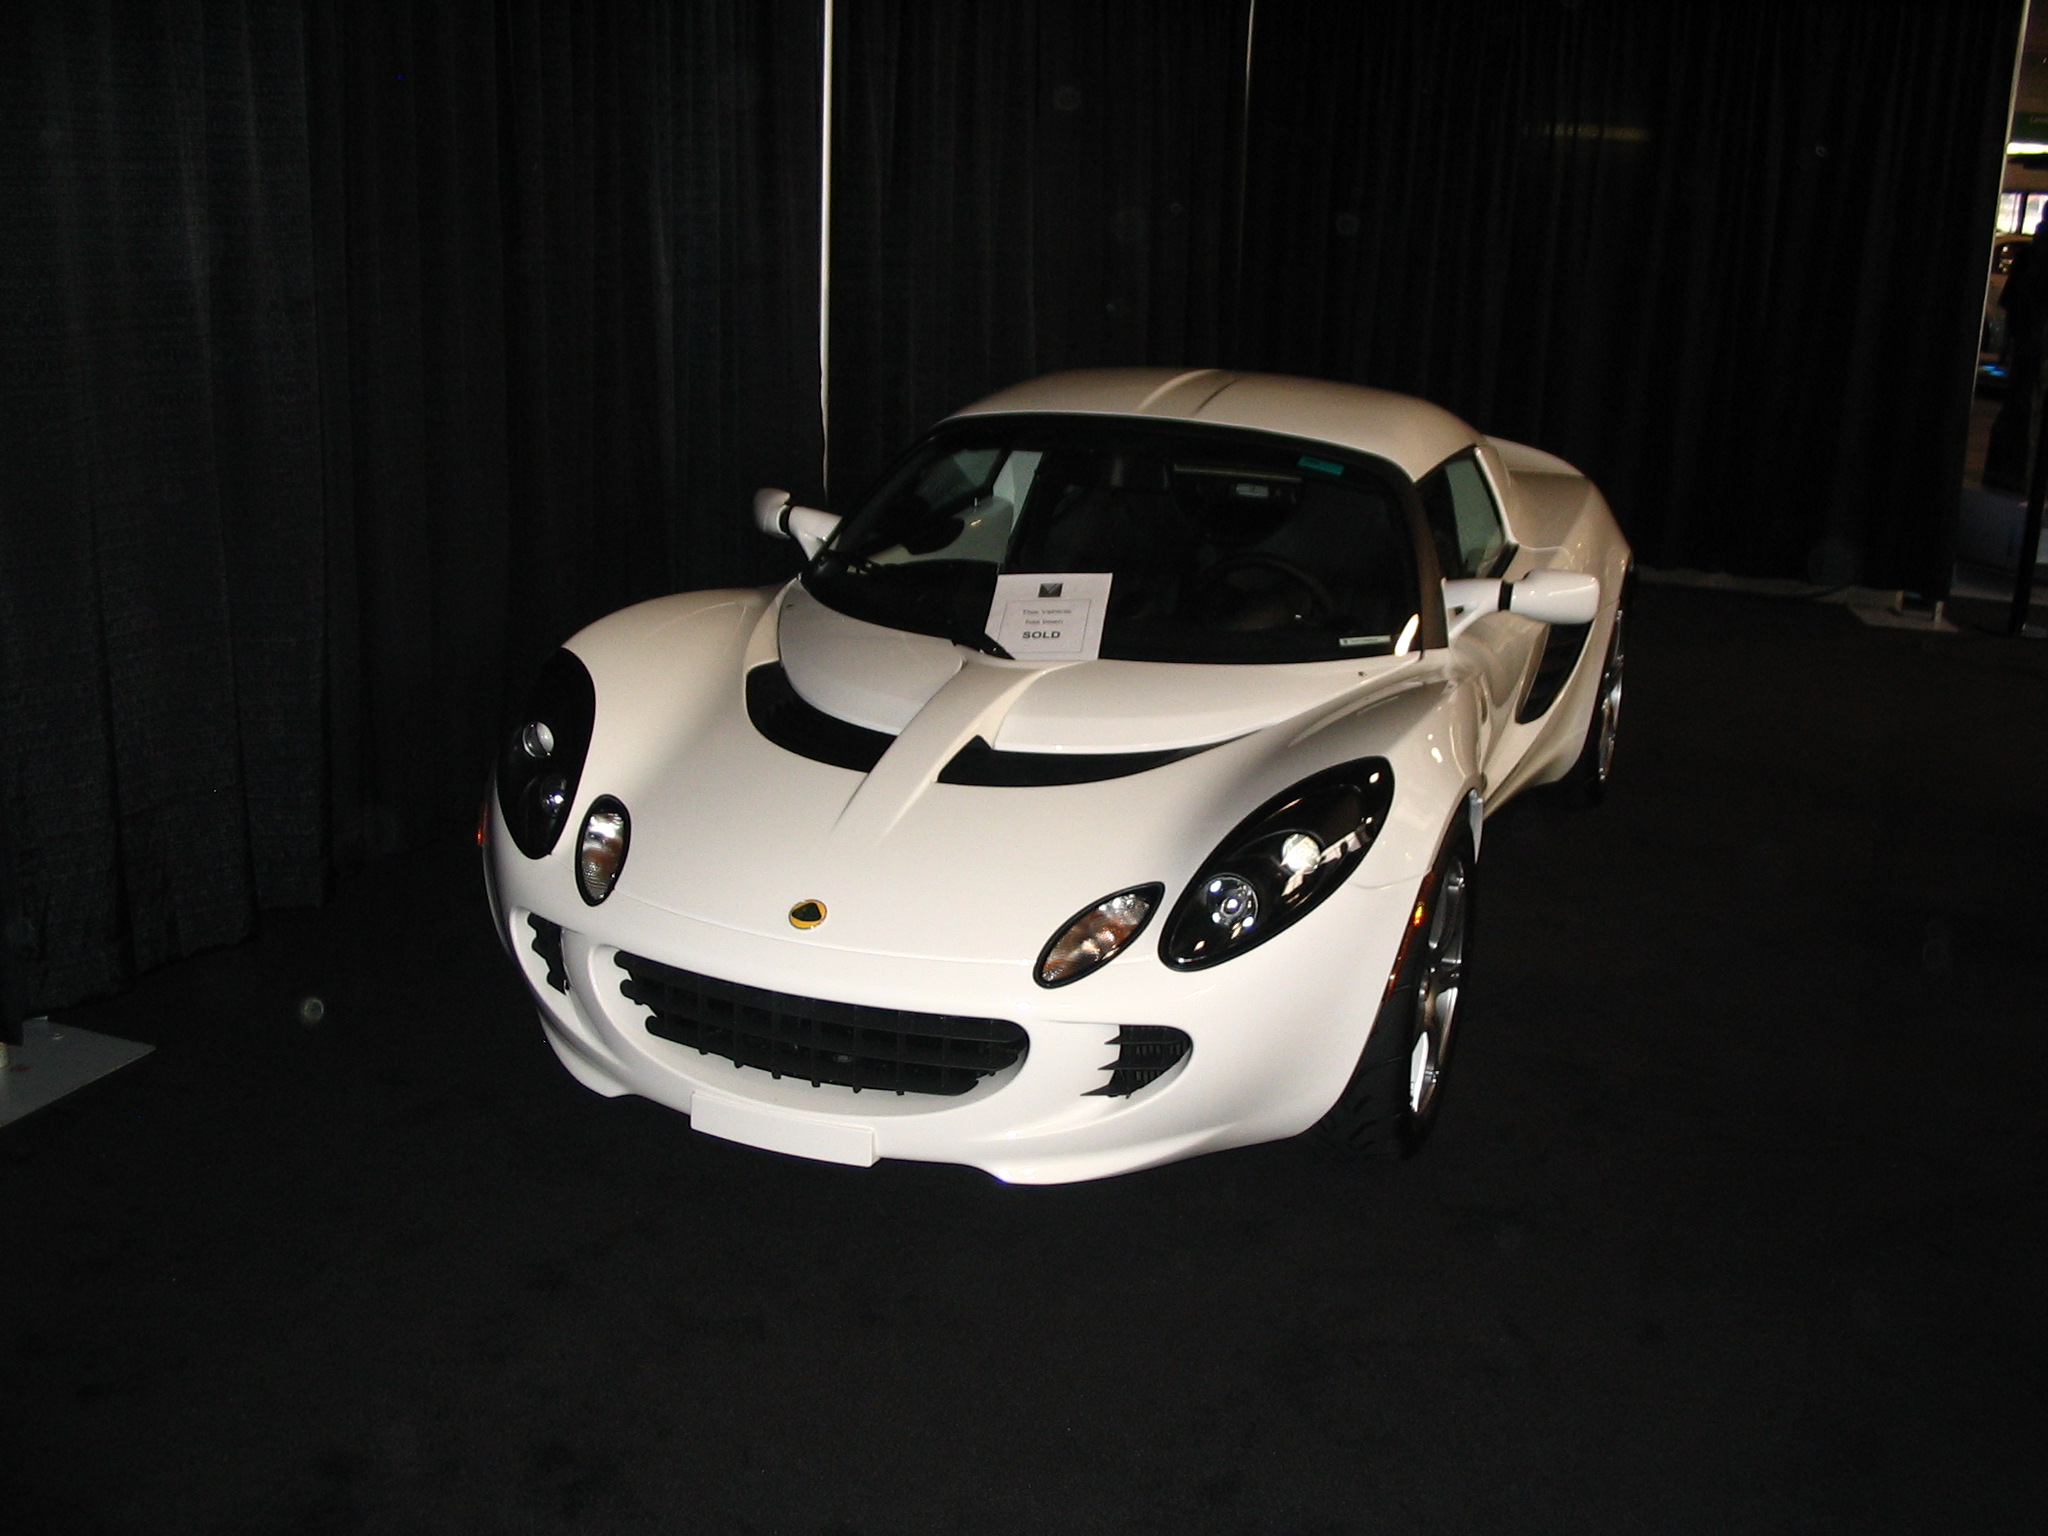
[53,1059]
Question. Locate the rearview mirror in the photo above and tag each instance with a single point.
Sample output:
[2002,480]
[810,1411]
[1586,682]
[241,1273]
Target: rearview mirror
[776,515]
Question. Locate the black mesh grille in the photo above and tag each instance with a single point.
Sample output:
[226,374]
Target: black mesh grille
[821,1042]
[1145,1053]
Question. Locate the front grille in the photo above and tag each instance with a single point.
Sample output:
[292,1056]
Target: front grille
[1145,1053]
[821,1042]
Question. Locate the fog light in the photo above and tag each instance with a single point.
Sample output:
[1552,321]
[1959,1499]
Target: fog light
[1095,936]
[601,850]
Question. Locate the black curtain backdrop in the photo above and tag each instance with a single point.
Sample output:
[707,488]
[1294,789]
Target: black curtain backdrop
[568,324]
[358,351]
[161,567]
[1018,188]
[1726,256]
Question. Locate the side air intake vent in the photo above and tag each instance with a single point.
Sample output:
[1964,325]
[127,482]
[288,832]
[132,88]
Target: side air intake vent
[1561,649]
[547,943]
[1145,1053]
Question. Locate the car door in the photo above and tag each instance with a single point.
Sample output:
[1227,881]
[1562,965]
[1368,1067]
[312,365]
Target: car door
[1471,541]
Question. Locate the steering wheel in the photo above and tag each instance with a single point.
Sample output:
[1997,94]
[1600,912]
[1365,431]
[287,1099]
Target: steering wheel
[1207,584]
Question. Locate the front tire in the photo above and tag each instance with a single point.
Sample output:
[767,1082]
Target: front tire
[1390,1103]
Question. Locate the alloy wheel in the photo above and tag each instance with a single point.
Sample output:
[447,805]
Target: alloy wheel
[1610,702]
[1436,997]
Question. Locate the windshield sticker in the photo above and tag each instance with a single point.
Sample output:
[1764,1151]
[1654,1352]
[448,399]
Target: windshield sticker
[1050,615]
[1321,466]
[1365,639]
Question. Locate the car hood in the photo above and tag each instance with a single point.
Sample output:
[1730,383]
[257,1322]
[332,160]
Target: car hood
[731,829]
[883,678]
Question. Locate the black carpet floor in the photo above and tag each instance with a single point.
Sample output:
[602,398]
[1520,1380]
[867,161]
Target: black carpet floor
[1733,1221]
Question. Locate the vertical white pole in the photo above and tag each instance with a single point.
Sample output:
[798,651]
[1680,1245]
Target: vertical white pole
[1251,25]
[1244,155]
[825,263]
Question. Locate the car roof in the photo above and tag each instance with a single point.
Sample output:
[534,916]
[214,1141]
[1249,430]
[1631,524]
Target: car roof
[1406,431]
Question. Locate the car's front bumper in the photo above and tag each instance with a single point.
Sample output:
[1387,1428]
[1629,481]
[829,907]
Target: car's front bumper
[1274,1034]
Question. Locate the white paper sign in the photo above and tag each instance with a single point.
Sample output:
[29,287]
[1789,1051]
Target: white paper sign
[1052,617]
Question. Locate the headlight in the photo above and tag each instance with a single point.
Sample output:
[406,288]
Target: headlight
[1094,937]
[601,850]
[543,754]
[1278,864]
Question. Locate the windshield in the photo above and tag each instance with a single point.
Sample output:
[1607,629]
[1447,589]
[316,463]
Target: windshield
[1221,545]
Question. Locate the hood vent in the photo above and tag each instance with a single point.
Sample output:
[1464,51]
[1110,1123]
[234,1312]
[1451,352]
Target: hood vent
[780,713]
[980,763]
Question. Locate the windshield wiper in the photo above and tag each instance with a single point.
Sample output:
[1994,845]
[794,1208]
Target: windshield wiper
[988,645]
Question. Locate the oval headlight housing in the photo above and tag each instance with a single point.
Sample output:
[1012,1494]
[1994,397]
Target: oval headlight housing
[1278,864]
[1096,936]
[601,848]
[542,757]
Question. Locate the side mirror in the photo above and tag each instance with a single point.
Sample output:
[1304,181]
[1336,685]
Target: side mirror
[1555,597]
[769,505]
[1548,597]
[776,515]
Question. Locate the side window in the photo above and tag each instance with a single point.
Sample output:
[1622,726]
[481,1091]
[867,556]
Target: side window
[1463,518]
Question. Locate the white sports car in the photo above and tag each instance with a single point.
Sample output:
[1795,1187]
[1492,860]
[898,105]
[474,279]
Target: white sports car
[1107,789]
